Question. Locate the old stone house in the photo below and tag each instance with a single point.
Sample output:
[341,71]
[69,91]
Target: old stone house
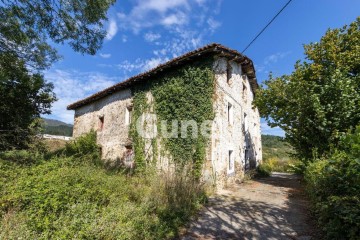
[234,144]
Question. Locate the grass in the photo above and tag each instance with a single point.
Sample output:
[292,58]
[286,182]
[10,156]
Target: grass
[277,156]
[71,196]
[53,145]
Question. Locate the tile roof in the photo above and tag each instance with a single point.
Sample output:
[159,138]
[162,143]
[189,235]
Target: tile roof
[212,49]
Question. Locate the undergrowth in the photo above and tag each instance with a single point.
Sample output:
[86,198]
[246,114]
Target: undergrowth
[334,188]
[70,195]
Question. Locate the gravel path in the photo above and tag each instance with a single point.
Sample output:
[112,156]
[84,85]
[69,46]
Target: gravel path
[267,208]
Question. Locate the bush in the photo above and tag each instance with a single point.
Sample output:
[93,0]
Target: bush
[334,187]
[297,167]
[21,156]
[263,170]
[83,145]
[84,148]
[70,197]
[277,165]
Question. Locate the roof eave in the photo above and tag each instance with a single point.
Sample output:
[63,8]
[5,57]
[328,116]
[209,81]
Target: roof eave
[217,49]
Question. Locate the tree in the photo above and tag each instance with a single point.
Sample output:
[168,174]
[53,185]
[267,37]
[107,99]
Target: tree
[23,97]
[26,27]
[320,100]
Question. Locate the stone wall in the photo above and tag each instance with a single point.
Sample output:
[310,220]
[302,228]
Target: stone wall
[233,88]
[114,132]
[240,135]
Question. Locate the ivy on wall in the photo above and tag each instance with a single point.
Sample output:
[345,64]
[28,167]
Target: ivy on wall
[185,93]
[139,106]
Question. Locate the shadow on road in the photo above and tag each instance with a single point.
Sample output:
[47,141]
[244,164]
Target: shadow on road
[268,208]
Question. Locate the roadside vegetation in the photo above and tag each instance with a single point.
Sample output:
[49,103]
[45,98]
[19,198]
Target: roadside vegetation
[69,194]
[334,186]
[278,156]
[318,108]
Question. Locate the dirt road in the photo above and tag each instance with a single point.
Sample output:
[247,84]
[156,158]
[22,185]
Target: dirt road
[268,208]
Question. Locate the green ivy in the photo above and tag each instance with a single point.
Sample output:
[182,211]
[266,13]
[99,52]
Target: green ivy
[140,105]
[182,94]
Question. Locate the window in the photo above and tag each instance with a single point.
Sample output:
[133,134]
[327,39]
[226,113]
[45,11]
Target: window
[231,163]
[230,111]
[128,112]
[101,123]
[228,73]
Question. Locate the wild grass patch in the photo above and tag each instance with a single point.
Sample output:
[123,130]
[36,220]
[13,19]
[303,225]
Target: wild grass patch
[71,196]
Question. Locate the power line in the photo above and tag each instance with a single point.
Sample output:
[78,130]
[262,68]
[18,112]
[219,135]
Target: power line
[266,26]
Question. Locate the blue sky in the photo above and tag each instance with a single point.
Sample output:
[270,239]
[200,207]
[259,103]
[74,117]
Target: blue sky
[144,33]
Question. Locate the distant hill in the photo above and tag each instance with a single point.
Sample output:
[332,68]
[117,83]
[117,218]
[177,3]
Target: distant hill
[275,147]
[56,127]
[55,123]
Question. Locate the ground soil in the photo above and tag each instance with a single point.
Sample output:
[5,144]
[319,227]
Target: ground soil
[268,208]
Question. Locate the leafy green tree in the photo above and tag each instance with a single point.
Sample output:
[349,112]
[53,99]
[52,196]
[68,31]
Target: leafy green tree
[320,100]
[333,185]
[26,27]
[28,30]
[23,97]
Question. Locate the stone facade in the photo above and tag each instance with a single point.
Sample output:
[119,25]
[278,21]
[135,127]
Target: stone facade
[107,117]
[235,144]
[236,136]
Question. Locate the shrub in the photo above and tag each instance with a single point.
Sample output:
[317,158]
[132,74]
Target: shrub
[84,148]
[70,197]
[275,164]
[297,167]
[263,170]
[334,187]
[21,156]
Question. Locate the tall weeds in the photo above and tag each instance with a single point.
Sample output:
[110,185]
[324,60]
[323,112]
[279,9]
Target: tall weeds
[68,195]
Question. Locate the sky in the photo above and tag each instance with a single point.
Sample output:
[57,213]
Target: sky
[144,33]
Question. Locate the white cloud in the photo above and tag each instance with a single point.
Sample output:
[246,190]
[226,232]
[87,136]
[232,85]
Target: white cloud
[128,67]
[149,13]
[269,63]
[182,25]
[274,58]
[171,27]
[161,6]
[112,29]
[160,52]
[200,2]
[105,55]
[152,63]
[140,65]
[124,38]
[259,68]
[213,24]
[179,18]
[71,86]
[184,40]
[151,37]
